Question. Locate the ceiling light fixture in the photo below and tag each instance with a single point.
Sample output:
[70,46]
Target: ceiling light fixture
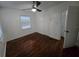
[34,10]
[35,6]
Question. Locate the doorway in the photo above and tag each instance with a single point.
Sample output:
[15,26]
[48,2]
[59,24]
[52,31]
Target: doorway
[71,26]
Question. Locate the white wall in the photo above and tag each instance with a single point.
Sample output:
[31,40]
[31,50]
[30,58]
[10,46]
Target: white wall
[2,40]
[49,23]
[52,21]
[11,23]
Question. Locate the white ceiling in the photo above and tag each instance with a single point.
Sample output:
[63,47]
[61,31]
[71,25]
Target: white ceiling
[27,4]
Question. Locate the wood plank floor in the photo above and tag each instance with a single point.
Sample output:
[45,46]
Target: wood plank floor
[34,45]
[71,52]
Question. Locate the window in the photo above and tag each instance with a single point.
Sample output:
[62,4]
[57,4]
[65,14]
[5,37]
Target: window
[25,22]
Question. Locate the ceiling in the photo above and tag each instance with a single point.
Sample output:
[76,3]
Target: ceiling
[27,4]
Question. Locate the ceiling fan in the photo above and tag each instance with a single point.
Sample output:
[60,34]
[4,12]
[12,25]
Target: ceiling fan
[35,5]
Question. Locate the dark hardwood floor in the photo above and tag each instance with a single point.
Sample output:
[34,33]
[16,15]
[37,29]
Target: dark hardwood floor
[34,45]
[71,52]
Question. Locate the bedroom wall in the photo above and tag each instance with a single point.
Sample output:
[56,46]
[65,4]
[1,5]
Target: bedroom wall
[52,20]
[11,23]
[2,40]
[49,23]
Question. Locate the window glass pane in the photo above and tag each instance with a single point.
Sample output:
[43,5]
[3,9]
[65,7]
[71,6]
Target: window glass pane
[25,22]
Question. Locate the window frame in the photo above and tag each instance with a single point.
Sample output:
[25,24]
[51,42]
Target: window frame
[21,23]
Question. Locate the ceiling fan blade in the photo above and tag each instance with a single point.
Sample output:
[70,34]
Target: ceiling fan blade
[34,6]
[39,10]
